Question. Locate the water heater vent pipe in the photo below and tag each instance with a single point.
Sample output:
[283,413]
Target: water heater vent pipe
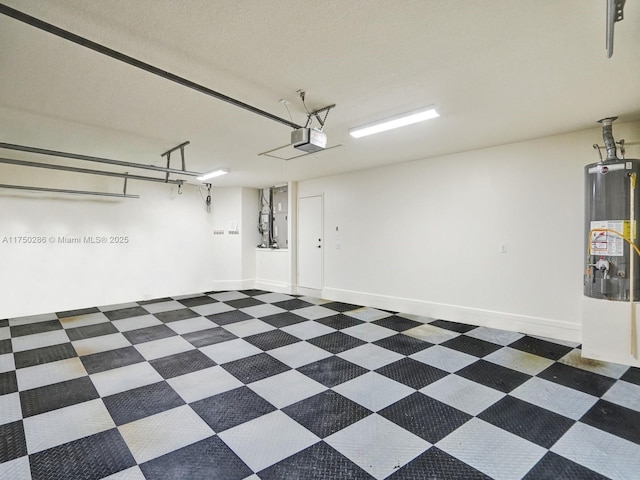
[607,136]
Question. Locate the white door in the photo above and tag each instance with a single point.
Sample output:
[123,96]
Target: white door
[310,242]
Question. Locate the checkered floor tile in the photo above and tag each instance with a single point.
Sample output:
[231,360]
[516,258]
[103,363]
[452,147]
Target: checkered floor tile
[259,385]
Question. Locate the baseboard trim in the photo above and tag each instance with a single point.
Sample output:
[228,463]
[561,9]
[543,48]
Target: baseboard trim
[544,327]
[272,286]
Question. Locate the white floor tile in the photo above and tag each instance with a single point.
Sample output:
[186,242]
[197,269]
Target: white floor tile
[103,343]
[518,360]
[377,445]
[369,332]
[274,297]
[153,436]
[66,425]
[226,296]
[417,318]
[229,351]
[501,337]
[444,358]
[39,340]
[117,306]
[163,306]
[190,325]
[10,408]
[268,439]
[125,378]
[625,394]
[248,327]
[574,359]
[555,397]
[134,323]
[163,347]
[259,311]
[50,373]
[286,388]
[84,320]
[204,383]
[373,391]
[212,308]
[7,363]
[611,456]
[370,356]
[463,394]
[314,300]
[133,473]
[307,330]
[5,333]
[299,354]
[314,312]
[431,333]
[13,322]
[368,314]
[493,451]
[17,469]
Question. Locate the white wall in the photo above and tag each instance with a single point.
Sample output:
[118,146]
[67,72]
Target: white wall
[424,237]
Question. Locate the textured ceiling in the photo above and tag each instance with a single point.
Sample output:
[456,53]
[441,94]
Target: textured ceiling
[498,71]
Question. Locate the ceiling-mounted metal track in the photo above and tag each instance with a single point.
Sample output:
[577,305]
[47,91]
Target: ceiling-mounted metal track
[74,192]
[77,39]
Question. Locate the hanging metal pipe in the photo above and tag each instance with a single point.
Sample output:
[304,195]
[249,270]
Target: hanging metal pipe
[75,192]
[49,166]
[72,37]
[75,156]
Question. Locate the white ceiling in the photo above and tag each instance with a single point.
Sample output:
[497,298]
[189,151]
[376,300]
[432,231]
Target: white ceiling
[499,72]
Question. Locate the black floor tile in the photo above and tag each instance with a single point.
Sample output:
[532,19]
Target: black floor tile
[211,336]
[283,319]
[228,409]
[128,312]
[254,368]
[434,464]
[556,467]
[528,421]
[37,356]
[412,373]
[336,342]
[494,376]
[254,292]
[141,402]
[75,313]
[472,346]
[272,339]
[339,321]
[89,458]
[454,326]
[4,322]
[318,462]
[59,395]
[90,331]
[403,344]
[12,442]
[615,419]
[175,315]
[182,363]
[332,371]
[148,334]
[207,459]
[632,375]
[8,382]
[33,328]
[341,307]
[5,346]
[326,413]
[293,304]
[229,317]
[197,301]
[542,348]
[399,324]
[121,357]
[155,300]
[425,416]
[244,302]
[578,379]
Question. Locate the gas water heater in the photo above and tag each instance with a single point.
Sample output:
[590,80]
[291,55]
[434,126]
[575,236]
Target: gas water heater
[612,267]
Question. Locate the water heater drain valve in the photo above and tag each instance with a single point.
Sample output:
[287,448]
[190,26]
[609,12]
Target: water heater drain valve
[602,265]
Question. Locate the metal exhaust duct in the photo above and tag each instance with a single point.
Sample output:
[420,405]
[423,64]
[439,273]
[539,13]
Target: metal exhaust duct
[607,136]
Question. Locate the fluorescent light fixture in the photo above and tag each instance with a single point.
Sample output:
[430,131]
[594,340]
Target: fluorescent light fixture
[408,118]
[214,173]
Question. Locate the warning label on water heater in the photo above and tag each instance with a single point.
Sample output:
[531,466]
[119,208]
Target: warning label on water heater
[604,240]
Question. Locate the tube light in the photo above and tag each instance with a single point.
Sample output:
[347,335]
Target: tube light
[408,118]
[214,173]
